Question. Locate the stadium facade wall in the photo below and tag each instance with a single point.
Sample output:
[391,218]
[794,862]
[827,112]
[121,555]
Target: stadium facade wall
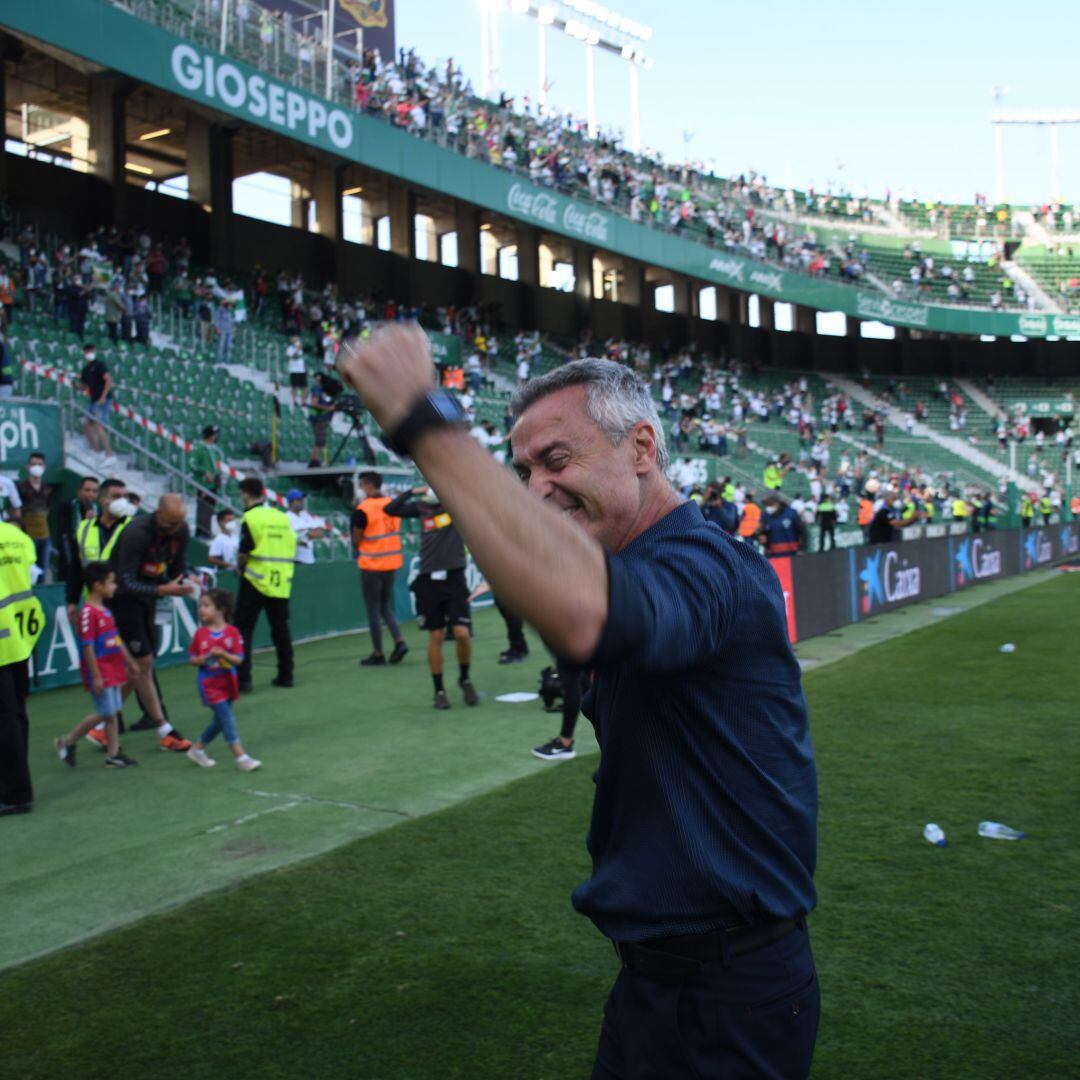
[105,34]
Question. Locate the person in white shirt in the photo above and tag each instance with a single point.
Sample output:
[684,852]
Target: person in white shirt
[523,370]
[298,380]
[307,527]
[224,546]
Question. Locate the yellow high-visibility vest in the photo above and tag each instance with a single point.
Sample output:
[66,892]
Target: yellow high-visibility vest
[21,616]
[271,562]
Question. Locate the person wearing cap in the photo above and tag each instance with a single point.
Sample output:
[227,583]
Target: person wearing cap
[205,466]
[306,526]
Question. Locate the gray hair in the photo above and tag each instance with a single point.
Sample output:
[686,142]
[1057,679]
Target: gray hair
[616,399]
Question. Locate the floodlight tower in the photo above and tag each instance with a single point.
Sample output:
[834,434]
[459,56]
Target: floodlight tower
[596,26]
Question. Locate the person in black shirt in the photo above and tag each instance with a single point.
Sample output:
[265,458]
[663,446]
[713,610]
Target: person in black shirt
[150,560]
[98,382]
[442,595]
[886,522]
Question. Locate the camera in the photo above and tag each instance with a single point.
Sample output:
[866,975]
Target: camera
[551,689]
[349,404]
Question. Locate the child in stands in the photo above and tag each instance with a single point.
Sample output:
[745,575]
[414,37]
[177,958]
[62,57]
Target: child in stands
[216,649]
[105,662]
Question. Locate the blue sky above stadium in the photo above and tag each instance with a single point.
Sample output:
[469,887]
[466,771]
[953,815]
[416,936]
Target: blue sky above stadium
[866,94]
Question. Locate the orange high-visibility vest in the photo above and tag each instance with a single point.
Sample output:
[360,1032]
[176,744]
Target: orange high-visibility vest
[380,546]
[454,378]
[751,519]
[866,512]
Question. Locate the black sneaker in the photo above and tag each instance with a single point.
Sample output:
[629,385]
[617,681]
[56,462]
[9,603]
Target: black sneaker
[555,750]
[285,684]
[120,761]
[245,688]
[65,753]
[441,700]
[374,660]
[467,688]
[144,723]
[7,809]
[512,656]
[400,649]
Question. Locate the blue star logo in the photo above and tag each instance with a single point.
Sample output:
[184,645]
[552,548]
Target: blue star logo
[963,559]
[871,577]
[1031,547]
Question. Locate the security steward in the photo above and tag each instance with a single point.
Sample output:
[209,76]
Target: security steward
[266,563]
[1046,508]
[865,516]
[95,539]
[1027,511]
[750,521]
[442,594]
[377,538]
[21,621]
[826,519]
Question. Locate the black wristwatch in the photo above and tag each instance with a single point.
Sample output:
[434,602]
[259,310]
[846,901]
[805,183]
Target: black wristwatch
[435,409]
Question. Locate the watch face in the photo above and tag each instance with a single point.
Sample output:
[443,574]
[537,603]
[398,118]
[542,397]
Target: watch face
[447,407]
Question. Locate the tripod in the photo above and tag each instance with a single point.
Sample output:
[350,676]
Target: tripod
[356,428]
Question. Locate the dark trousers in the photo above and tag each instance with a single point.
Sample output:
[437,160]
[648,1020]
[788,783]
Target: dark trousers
[249,603]
[751,1017]
[204,513]
[378,589]
[828,532]
[570,677]
[15,786]
[515,632]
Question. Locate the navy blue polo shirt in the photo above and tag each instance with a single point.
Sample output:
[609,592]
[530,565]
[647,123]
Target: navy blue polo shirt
[706,796]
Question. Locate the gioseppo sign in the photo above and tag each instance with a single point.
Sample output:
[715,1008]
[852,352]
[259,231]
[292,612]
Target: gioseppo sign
[260,97]
[543,208]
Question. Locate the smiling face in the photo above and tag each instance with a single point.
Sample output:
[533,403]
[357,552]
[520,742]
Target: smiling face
[568,461]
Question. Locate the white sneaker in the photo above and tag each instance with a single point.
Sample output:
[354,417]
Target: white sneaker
[200,758]
[247,763]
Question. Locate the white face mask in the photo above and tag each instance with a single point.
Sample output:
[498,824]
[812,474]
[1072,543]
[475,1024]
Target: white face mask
[90,356]
[771,509]
[36,470]
[232,527]
[122,507]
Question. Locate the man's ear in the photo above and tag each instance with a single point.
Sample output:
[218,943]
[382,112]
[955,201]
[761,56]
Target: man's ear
[644,446]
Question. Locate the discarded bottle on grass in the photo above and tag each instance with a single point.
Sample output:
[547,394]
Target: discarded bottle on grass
[1007,647]
[935,834]
[996,831]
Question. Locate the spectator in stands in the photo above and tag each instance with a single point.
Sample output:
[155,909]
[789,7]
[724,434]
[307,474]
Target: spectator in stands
[37,501]
[223,329]
[143,316]
[226,545]
[307,527]
[118,311]
[297,369]
[205,465]
[98,382]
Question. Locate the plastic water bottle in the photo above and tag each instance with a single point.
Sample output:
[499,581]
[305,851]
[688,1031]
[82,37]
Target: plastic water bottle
[934,834]
[996,831]
[1007,647]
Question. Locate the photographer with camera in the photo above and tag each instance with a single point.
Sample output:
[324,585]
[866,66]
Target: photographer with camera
[321,404]
[565,682]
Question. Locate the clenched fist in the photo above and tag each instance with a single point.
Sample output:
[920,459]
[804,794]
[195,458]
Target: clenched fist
[391,371]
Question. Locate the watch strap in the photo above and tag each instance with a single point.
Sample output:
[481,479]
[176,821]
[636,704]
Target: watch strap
[434,409]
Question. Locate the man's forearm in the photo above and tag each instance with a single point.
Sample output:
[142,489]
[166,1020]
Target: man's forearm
[539,564]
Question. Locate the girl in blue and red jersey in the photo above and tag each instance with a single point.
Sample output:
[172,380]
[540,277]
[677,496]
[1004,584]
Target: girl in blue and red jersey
[215,650]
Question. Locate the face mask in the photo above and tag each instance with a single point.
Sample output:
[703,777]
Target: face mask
[771,509]
[36,470]
[232,527]
[90,356]
[122,507]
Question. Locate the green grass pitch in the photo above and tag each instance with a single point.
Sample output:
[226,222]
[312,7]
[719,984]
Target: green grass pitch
[433,936]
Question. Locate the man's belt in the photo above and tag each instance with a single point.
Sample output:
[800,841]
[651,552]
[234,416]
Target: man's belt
[685,955]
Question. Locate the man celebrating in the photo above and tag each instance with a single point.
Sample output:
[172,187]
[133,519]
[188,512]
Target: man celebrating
[377,539]
[267,560]
[442,595]
[703,836]
[150,560]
